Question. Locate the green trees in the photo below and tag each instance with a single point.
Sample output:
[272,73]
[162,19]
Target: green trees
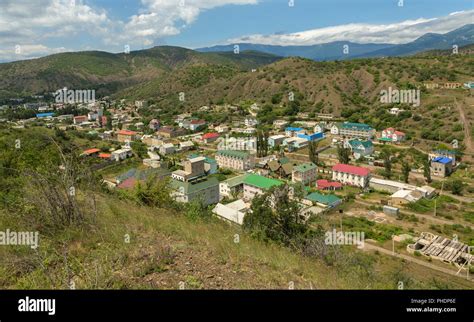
[406,171]
[343,154]
[154,192]
[387,163]
[313,151]
[262,144]
[456,186]
[427,170]
[274,216]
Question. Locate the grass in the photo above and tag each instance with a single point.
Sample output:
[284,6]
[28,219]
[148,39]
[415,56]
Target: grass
[132,247]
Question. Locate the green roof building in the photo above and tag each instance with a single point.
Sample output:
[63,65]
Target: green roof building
[323,200]
[255,184]
[205,190]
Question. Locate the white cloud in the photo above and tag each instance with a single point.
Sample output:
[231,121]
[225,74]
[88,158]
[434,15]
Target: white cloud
[28,51]
[396,33]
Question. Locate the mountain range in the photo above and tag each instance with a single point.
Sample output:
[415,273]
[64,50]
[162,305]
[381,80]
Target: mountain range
[335,50]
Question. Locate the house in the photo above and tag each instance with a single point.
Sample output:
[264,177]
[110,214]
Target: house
[311,137]
[186,145]
[221,128]
[167,148]
[395,111]
[323,184]
[469,85]
[402,197]
[304,173]
[275,140]
[195,125]
[193,168]
[294,131]
[209,137]
[91,152]
[126,136]
[250,122]
[154,125]
[353,130]
[360,148]
[169,132]
[206,191]
[293,143]
[351,175]
[255,184]
[441,166]
[320,127]
[79,119]
[122,154]
[105,156]
[392,135]
[279,124]
[233,212]
[238,160]
[232,186]
[321,200]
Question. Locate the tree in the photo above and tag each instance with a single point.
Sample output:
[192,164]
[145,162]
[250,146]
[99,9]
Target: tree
[275,216]
[406,171]
[387,163]
[313,151]
[343,154]
[457,187]
[427,170]
[262,144]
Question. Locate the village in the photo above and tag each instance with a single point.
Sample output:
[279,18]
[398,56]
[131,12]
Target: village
[343,168]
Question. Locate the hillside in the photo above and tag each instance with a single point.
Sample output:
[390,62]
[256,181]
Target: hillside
[107,73]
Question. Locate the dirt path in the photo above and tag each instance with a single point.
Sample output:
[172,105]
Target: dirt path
[466,125]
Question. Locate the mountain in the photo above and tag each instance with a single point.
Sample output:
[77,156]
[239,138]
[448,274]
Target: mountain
[328,51]
[334,50]
[461,37]
[108,73]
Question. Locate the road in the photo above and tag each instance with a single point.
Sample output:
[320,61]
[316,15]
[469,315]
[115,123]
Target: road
[371,247]
[467,127]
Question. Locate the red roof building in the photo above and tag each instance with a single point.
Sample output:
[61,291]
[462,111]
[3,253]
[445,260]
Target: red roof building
[105,155]
[328,185]
[209,137]
[91,152]
[351,175]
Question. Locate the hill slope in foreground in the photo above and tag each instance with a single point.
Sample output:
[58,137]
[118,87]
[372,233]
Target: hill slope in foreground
[168,249]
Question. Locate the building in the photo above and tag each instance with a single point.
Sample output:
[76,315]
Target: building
[294,143]
[209,137]
[360,148]
[323,184]
[170,132]
[126,136]
[353,130]
[469,85]
[222,128]
[320,127]
[206,191]
[194,125]
[441,166]
[279,124]
[91,152]
[304,173]
[154,125]
[80,119]
[121,154]
[210,165]
[193,168]
[351,175]
[402,197]
[250,122]
[311,137]
[186,145]
[255,184]
[294,131]
[233,212]
[276,140]
[232,186]
[395,111]
[167,148]
[394,186]
[238,160]
[392,135]
[325,201]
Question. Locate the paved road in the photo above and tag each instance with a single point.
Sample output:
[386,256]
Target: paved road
[371,247]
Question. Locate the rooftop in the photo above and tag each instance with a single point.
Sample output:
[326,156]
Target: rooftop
[191,187]
[233,154]
[261,182]
[351,169]
[305,167]
[323,199]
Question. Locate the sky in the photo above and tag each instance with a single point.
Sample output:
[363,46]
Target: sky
[36,28]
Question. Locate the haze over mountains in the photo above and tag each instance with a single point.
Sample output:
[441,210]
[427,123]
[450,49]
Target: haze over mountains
[334,50]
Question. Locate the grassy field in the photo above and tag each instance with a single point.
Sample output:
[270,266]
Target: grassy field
[132,247]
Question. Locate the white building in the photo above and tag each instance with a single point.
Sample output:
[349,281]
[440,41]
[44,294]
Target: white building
[351,175]
[122,154]
[234,211]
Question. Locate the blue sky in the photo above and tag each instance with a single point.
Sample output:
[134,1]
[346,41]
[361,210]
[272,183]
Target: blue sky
[41,27]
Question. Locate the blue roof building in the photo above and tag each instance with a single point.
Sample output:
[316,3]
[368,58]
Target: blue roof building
[312,137]
[43,115]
